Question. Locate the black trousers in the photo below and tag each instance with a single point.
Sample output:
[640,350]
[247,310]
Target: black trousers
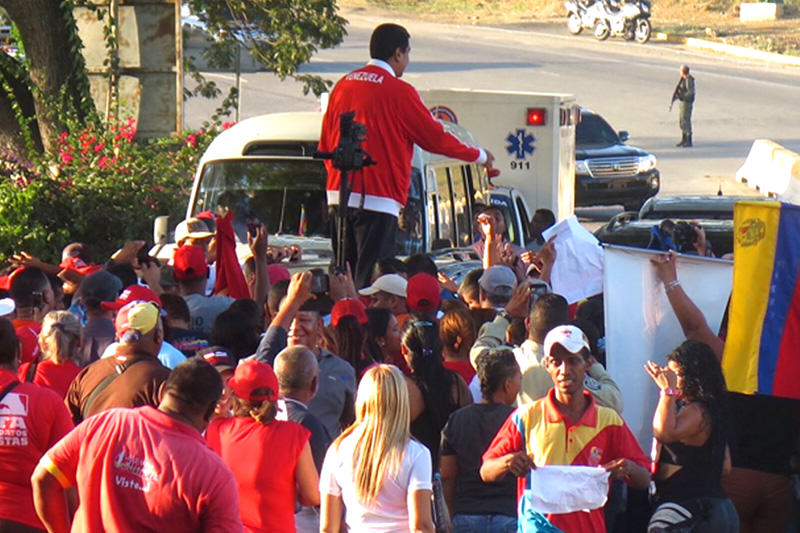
[8,526]
[369,236]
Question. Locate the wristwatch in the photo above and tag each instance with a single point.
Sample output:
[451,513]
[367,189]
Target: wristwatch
[505,316]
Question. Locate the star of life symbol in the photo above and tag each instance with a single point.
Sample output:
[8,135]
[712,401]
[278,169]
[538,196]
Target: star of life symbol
[520,144]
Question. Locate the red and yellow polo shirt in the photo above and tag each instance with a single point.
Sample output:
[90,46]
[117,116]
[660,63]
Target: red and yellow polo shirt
[600,436]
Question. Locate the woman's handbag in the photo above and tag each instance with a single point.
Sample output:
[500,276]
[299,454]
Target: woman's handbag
[441,516]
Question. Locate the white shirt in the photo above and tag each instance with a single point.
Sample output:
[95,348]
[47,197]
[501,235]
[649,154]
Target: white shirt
[389,512]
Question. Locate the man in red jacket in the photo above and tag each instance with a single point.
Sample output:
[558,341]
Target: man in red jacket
[396,119]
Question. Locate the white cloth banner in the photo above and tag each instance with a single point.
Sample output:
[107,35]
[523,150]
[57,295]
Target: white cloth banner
[578,270]
[641,326]
[566,489]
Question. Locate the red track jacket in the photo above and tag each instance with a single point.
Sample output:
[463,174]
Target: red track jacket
[396,119]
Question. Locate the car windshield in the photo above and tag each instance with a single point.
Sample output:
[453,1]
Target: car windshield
[593,129]
[287,195]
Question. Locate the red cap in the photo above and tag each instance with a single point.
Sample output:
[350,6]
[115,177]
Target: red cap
[252,375]
[348,307]
[278,272]
[189,262]
[76,264]
[423,293]
[5,283]
[134,293]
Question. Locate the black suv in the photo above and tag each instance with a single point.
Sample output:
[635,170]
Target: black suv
[609,172]
[713,213]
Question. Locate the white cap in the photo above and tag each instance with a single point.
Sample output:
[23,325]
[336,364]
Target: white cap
[570,337]
[7,306]
[391,283]
[193,228]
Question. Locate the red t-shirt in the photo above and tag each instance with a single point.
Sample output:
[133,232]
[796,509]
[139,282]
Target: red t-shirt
[28,333]
[51,375]
[463,368]
[142,470]
[32,419]
[263,458]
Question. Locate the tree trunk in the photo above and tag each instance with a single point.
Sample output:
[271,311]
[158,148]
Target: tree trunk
[46,32]
[11,137]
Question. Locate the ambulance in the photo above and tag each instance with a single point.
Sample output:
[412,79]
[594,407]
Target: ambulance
[531,135]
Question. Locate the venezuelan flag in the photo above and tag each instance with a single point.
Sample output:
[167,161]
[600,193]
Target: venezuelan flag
[762,350]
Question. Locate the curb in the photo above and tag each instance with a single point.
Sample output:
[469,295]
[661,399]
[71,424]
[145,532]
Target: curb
[738,51]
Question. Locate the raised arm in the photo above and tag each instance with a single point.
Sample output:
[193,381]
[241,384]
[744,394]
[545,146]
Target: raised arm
[689,316]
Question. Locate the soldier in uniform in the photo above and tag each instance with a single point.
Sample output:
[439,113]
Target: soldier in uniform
[684,93]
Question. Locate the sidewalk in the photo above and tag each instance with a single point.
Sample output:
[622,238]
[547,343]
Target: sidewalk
[738,51]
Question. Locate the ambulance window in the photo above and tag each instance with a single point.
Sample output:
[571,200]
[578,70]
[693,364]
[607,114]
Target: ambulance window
[445,206]
[525,219]
[461,206]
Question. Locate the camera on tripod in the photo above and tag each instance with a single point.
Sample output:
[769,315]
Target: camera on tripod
[349,155]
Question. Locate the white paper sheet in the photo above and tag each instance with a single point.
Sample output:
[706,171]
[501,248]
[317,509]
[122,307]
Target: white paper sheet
[565,489]
[641,326]
[578,270]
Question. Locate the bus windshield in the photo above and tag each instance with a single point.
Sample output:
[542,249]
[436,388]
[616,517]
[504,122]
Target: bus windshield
[287,195]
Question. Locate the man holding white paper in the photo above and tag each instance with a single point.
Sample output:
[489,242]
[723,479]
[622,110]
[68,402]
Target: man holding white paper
[564,428]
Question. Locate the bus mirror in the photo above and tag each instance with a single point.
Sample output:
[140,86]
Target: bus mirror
[160,230]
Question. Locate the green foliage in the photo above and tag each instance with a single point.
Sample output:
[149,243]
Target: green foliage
[281,34]
[96,183]
[100,186]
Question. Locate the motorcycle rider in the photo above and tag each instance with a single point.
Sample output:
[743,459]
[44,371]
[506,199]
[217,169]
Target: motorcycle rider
[684,93]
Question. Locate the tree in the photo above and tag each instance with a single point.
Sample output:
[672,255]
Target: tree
[48,79]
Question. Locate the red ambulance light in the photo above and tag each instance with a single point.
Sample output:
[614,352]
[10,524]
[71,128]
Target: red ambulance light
[537,116]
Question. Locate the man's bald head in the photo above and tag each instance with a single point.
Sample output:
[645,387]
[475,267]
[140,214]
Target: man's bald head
[297,369]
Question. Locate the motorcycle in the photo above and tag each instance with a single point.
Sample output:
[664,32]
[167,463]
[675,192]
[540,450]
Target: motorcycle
[631,20]
[578,18]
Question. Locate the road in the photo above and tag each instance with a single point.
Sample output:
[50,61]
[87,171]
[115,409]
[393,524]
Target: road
[629,84]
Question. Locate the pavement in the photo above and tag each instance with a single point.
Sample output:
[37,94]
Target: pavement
[737,51]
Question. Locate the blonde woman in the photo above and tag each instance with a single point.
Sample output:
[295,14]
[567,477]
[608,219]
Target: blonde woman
[374,470]
[59,342]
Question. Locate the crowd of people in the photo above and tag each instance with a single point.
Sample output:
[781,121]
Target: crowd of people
[135,395]
[205,395]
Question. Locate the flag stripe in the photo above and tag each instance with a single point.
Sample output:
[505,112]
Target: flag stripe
[752,274]
[787,372]
[781,295]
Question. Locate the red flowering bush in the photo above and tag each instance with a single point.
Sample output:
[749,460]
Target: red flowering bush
[100,185]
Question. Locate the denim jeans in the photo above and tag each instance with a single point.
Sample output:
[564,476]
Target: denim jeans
[719,517]
[484,523]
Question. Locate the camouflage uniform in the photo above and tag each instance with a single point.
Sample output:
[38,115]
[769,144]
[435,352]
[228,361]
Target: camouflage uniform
[685,94]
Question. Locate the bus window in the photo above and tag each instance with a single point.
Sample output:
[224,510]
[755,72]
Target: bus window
[503,203]
[463,232]
[410,220]
[446,224]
